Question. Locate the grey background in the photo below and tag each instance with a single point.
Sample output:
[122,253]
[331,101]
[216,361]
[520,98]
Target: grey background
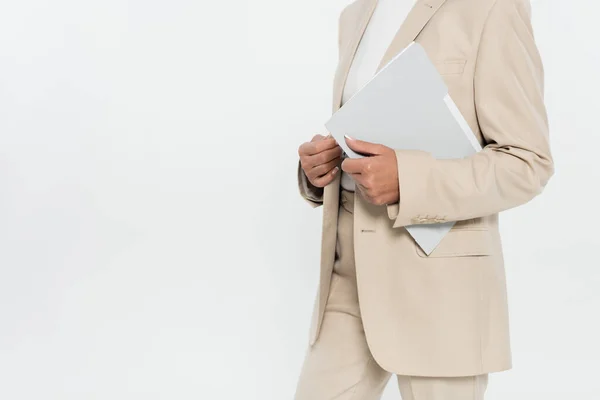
[152,241]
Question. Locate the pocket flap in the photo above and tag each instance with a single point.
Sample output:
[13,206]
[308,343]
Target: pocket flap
[449,67]
[462,243]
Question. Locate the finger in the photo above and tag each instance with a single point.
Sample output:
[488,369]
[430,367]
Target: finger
[327,155]
[323,169]
[325,144]
[362,147]
[354,165]
[326,179]
[316,147]
[309,162]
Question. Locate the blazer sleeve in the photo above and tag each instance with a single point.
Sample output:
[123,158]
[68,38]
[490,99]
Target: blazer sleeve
[312,194]
[516,162]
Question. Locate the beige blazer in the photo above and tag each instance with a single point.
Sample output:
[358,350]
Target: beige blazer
[446,314]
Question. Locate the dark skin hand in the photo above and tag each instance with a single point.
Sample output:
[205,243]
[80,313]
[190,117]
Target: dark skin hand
[376,175]
[320,159]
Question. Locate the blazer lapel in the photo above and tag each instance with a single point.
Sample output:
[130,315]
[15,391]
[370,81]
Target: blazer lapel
[348,52]
[414,23]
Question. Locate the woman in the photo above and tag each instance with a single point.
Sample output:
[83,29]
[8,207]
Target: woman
[439,322]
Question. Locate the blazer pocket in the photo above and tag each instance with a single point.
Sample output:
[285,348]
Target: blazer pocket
[450,67]
[462,243]
[474,224]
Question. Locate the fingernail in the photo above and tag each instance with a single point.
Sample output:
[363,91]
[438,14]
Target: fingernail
[335,170]
[348,137]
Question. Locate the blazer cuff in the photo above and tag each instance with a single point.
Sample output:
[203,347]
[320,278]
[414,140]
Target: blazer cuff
[412,170]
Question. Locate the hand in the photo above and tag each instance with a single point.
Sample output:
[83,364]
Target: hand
[376,175]
[319,159]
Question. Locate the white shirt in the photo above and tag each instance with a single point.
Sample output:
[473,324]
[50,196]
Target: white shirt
[382,27]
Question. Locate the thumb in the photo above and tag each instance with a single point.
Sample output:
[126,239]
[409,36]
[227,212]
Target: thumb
[362,147]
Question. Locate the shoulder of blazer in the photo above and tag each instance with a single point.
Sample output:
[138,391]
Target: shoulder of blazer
[505,11]
[521,5]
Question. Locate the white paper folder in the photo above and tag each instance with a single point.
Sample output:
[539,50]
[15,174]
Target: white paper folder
[406,105]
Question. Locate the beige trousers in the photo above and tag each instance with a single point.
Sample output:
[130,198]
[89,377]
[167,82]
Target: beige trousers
[340,366]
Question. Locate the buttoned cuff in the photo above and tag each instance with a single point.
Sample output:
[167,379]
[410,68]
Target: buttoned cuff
[413,169]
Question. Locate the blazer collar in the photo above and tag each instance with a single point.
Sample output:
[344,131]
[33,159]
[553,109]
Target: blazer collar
[414,23]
